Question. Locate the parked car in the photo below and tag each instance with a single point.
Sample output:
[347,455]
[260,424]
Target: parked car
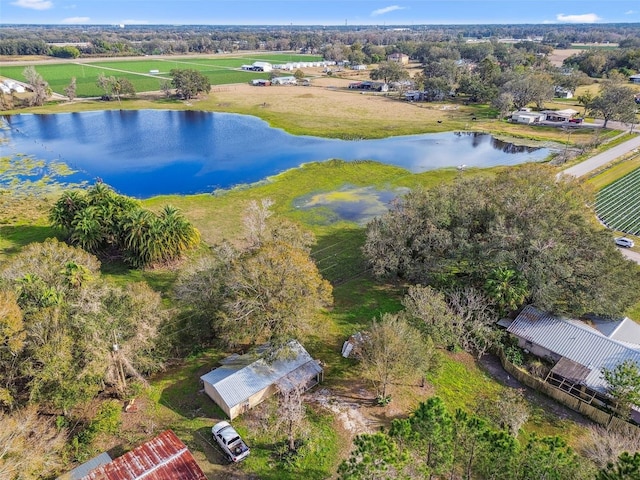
[576,120]
[624,242]
[229,440]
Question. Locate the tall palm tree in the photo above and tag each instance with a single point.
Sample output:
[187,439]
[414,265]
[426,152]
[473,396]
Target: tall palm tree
[180,234]
[136,236]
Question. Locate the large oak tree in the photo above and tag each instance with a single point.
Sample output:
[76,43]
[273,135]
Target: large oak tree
[523,220]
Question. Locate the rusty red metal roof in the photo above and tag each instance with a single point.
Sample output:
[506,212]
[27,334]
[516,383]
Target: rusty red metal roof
[163,458]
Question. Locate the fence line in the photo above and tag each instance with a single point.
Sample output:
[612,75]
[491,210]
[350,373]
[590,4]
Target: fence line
[595,414]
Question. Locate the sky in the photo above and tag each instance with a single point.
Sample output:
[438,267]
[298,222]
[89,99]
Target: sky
[316,12]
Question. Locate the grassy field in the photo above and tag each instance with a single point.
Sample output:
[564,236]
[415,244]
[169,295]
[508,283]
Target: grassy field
[219,70]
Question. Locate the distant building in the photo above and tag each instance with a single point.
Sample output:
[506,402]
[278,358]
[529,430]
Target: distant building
[527,117]
[262,66]
[359,67]
[284,81]
[559,115]
[244,381]
[561,92]
[634,78]
[398,58]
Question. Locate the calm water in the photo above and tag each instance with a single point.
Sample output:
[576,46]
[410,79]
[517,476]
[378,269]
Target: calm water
[150,152]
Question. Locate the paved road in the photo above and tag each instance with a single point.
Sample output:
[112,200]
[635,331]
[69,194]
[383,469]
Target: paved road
[603,158]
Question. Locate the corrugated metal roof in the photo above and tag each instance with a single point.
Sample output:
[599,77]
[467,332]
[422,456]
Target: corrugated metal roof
[236,381]
[574,340]
[625,330]
[82,470]
[163,458]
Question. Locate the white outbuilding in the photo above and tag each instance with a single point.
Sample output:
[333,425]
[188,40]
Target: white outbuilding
[243,381]
[262,66]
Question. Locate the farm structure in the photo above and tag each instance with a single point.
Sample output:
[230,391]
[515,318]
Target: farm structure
[528,117]
[579,351]
[634,78]
[618,204]
[372,86]
[561,92]
[244,381]
[296,65]
[163,457]
[284,81]
[398,58]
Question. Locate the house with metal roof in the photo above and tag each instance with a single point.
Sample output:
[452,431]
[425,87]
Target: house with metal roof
[244,381]
[580,352]
[164,457]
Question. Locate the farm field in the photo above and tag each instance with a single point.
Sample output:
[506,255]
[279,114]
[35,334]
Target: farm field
[220,71]
[618,204]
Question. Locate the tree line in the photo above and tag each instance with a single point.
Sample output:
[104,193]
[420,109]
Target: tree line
[434,443]
[96,40]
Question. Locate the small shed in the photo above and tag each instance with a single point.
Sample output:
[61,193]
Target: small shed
[527,117]
[244,381]
[561,92]
[401,58]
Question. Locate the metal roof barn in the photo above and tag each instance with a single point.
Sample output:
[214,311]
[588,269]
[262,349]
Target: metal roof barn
[163,458]
[243,381]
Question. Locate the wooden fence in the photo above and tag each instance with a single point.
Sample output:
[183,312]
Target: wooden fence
[599,416]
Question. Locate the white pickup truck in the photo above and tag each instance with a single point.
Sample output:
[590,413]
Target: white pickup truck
[229,440]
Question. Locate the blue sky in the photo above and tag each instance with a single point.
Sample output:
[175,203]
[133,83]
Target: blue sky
[317,12]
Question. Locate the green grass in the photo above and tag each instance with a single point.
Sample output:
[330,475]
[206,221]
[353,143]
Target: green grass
[463,384]
[219,71]
[613,172]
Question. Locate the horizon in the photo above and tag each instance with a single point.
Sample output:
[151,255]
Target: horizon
[332,13]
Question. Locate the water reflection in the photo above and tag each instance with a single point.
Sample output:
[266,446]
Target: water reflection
[150,152]
[506,147]
[350,203]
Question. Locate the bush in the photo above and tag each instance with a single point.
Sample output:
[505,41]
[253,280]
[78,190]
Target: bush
[514,354]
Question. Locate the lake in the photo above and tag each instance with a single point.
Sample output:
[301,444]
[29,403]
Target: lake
[154,152]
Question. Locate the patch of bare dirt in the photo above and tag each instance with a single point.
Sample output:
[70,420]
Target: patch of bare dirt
[558,56]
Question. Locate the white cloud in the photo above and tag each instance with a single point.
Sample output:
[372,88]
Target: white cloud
[584,18]
[630,12]
[382,11]
[77,20]
[34,4]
